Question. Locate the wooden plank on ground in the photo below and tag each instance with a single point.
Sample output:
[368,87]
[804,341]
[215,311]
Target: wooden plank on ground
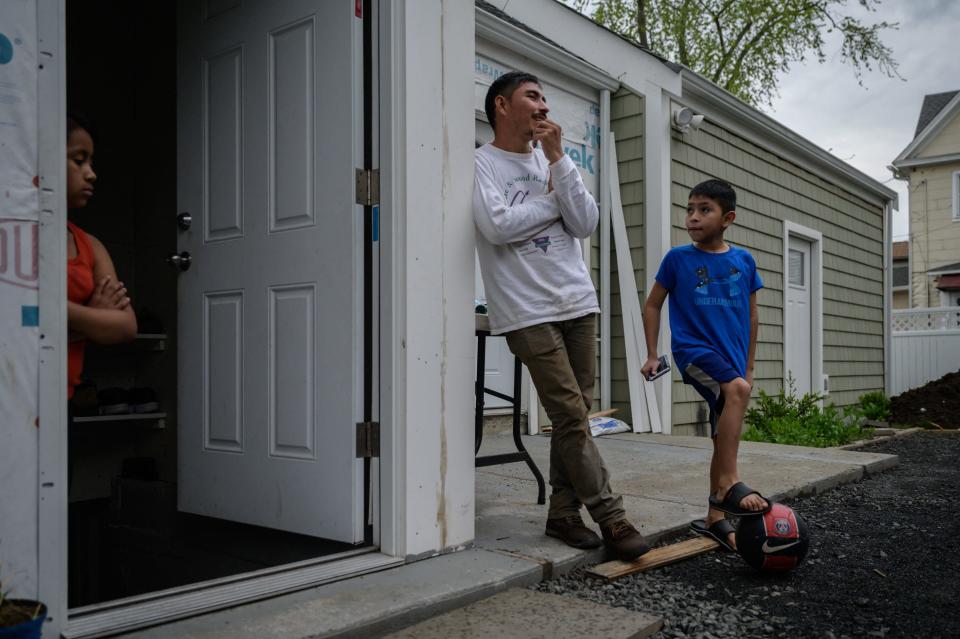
[654,559]
[603,413]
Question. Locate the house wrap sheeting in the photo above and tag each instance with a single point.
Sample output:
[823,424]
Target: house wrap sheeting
[19,317]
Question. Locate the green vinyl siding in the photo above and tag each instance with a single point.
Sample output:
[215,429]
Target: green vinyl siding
[770,190]
[626,121]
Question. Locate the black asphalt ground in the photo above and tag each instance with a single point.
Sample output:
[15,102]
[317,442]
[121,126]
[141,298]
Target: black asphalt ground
[883,563]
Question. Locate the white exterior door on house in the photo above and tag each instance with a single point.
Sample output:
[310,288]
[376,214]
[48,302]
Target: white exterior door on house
[271,308]
[799,343]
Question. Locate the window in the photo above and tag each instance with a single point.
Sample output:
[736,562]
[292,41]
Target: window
[901,275]
[796,268]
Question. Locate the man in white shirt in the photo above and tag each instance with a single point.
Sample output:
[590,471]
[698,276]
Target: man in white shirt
[531,209]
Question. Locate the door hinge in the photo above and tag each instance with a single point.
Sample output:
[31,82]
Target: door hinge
[368,439]
[368,186]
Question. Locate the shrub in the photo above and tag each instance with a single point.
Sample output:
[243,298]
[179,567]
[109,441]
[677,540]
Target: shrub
[785,418]
[875,405]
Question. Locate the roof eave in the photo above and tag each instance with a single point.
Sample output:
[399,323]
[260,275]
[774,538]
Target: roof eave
[929,131]
[500,31]
[928,161]
[736,109]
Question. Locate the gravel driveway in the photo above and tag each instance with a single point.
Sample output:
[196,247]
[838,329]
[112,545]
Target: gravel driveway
[883,562]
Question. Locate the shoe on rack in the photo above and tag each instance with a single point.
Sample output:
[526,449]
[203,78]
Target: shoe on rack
[113,401]
[143,400]
[624,540]
[572,531]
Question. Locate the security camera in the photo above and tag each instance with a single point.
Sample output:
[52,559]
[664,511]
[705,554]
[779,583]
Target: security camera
[682,117]
[685,119]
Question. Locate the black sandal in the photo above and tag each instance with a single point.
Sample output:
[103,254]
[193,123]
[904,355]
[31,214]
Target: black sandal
[731,502]
[716,531]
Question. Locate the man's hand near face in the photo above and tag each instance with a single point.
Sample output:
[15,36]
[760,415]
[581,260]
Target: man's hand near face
[547,133]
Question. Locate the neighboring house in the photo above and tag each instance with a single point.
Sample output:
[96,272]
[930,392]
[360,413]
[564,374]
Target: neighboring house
[320,351]
[900,279]
[931,166]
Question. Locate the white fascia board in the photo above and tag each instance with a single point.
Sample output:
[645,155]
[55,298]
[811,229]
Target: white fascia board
[516,39]
[944,271]
[580,35]
[936,159]
[731,113]
[930,131]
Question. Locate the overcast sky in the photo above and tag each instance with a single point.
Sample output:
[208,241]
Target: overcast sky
[869,126]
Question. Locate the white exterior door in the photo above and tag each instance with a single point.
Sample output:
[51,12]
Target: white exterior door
[270,310]
[799,342]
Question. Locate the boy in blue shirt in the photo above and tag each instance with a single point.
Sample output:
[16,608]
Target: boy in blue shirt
[713,318]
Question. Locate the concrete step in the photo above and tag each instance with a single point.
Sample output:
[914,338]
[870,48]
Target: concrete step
[530,614]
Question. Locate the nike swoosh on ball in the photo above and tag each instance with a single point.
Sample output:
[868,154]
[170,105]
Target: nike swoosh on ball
[767,548]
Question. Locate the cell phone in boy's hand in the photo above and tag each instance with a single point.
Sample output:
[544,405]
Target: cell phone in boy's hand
[662,370]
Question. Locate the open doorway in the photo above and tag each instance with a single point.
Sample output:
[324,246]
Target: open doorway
[220,441]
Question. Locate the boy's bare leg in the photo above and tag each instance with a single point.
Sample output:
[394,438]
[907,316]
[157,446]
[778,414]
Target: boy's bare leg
[723,464]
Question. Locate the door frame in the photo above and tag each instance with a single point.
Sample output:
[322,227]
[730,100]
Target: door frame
[52,300]
[815,238]
[386,485]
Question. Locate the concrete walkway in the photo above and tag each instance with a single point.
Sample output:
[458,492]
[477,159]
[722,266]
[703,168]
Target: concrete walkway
[664,483]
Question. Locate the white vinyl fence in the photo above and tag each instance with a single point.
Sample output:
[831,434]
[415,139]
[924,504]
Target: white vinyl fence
[926,346]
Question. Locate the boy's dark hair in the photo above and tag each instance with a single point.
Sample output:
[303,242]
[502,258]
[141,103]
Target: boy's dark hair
[505,85]
[718,191]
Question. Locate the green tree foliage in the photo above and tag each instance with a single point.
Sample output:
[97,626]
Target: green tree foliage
[744,45]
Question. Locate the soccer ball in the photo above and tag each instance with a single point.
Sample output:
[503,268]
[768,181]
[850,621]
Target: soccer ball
[776,541]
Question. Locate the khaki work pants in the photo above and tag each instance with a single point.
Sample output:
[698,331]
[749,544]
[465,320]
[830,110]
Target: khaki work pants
[561,357]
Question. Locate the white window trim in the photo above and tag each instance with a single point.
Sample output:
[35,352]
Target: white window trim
[955,187]
[792,229]
[52,299]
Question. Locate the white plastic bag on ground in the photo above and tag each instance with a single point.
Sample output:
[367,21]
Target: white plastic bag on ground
[608,426]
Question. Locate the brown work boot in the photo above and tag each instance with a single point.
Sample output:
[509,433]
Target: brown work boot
[571,531]
[624,540]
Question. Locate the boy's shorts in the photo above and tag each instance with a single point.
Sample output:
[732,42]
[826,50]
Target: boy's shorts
[705,373]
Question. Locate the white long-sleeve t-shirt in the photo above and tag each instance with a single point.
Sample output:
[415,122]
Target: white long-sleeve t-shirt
[530,258]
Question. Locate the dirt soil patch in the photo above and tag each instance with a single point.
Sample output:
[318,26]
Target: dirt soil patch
[937,402]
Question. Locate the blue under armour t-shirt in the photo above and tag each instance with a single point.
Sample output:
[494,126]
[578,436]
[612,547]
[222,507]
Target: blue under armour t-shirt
[709,303]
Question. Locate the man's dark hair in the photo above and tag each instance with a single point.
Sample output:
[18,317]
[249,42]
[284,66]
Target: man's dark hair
[718,191]
[505,85]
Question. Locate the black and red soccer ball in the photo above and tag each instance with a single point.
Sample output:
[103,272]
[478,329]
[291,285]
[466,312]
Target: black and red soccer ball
[776,541]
